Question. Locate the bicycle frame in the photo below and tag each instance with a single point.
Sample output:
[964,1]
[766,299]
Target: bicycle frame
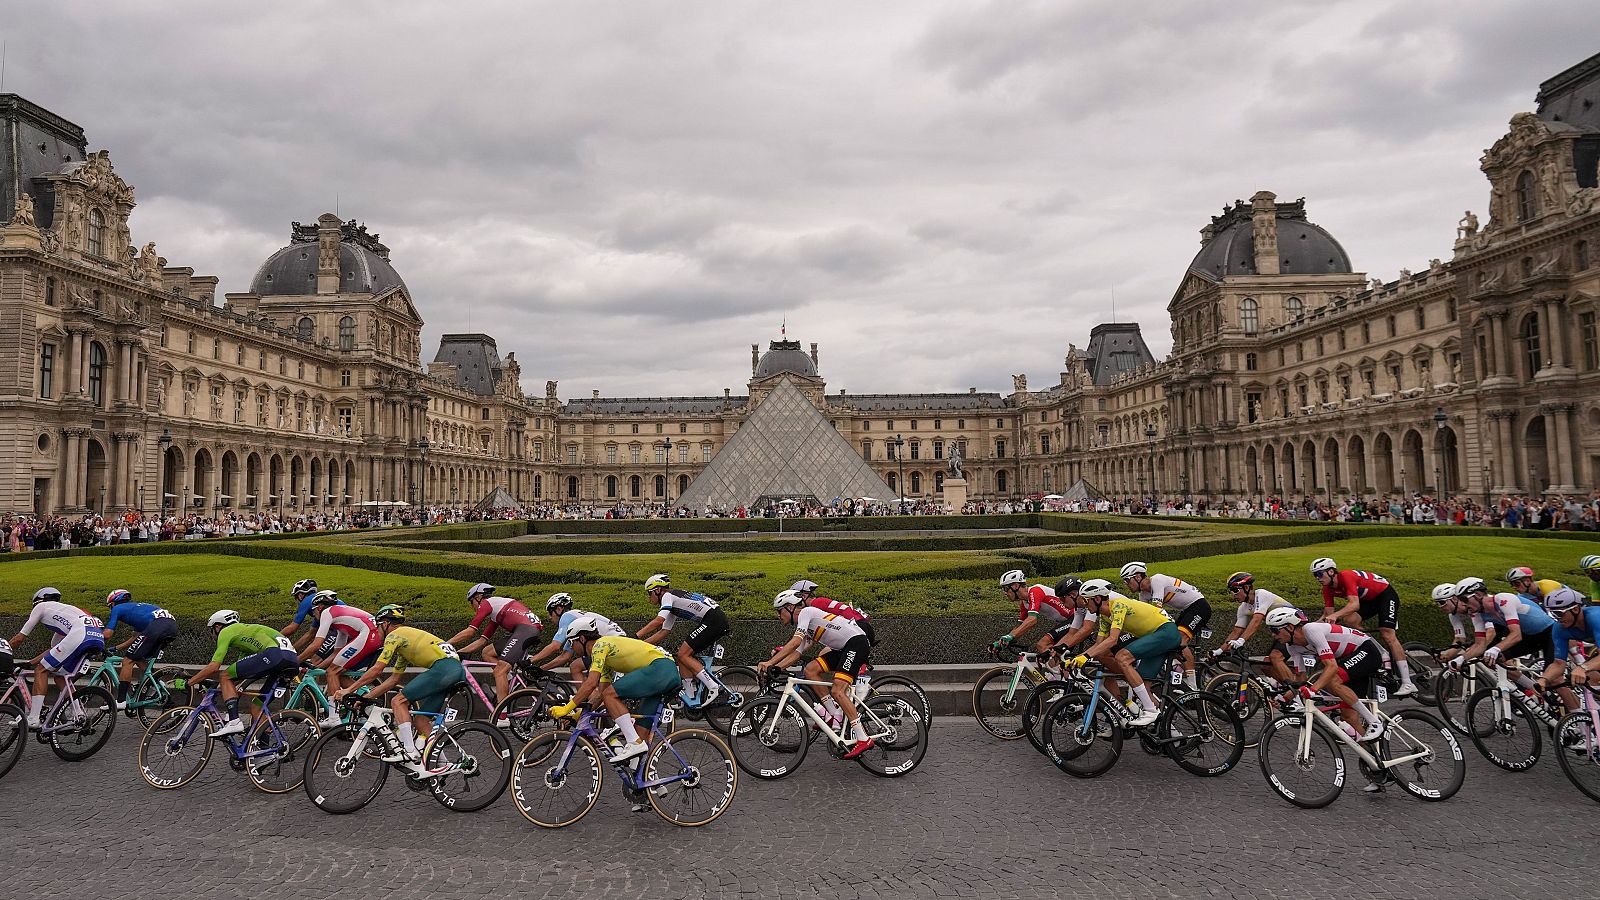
[236,744]
[631,775]
[708,661]
[1312,715]
[791,692]
[1026,666]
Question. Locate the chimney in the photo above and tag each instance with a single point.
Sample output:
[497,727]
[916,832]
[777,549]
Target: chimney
[972,390]
[755,358]
[328,233]
[595,395]
[727,393]
[1264,226]
[813,354]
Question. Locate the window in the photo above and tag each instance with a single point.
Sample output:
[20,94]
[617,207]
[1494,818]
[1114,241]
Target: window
[572,454]
[961,424]
[97,374]
[1527,203]
[261,409]
[938,449]
[1000,448]
[661,485]
[913,424]
[1342,344]
[705,428]
[538,451]
[300,371]
[705,452]
[683,427]
[866,425]
[611,454]
[1249,362]
[633,454]
[1249,315]
[572,487]
[283,365]
[1366,332]
[163,335]
[1000,481]
[1283,399]
[347,333]
[304,328]
[1344,385]
[261,360]
[1305,395]
[661,454]
[1252,405]
[1450,311]
[635,486]
[1294,308]
[1391,323]
[916,482]
[938,424]
[1580,258]
[916,449]
[889,425]
[484,414]
[538,486]
[1322,390]
[1319,345]
[1300,351]
[1422,317]
[1530,342]
[97,233]
[636,429]
[1280,356]
[47,369]
[999,423]
[611,485]
[188,343]
[683,451]
[892,485]
[238,355]
[658,428]
[889,448]
[216,348]
[1591,341]
[50,291]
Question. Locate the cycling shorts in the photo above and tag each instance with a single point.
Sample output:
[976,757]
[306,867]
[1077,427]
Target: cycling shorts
[67,655]
[1150,651]
[650,683]
[364,646]
[153,640]
[712,628]
[513,646]
[1384,606]
[1537,645]
[427,691]
[1060,631]
[1360,668]
[8,664]
[849,662]
[1194,617]
[270,662]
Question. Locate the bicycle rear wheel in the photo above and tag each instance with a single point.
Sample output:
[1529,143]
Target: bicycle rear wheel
[910,691]
[94,712]
[13,734]
[339,781]
[173,752]
[1201,733]
[765,743]
[1441,769]
[1034,705]
[706,774]
[1450,692]
[899,734]
[1425,669]
[480,757]
[1082,738]
[997,711]
[1311,780]
[1578,751]
[1512,741]
[283,772]
[739,683]
[552,795]
[525,711]
[1246,698]
[462,705]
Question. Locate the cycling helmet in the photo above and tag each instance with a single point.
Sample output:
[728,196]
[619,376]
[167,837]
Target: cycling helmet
[803,585]
[1468,585]
[657,581]
[475,590]
[303,587]
[1518,573]
[46,593]
[1563,598]
[1096,587]
[1015,576]
[1068,585]
[390,612]
[1283,617]
[222,617]
[1590,563]
[790,597]
[1132,570]
[325,598]
[558,599]
[1323,564]
[584,624]
[120,595]
[1240,581]
[1443,593]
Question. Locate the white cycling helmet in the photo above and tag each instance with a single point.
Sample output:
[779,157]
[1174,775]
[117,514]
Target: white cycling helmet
[1562,598]
[1095,587]
[1470,584]
[1283,617]
[222,617]
[1132,570]
[584,624]
[45,593]
[1323,564]
[1015,576]
[560,598]
[803,585]
[1443,593]
[790,597]
[657,580]
[475,590]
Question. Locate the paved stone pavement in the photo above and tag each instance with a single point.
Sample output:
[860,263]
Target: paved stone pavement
[980,819]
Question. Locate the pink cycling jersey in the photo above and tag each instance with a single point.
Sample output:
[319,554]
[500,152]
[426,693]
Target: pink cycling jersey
[1043,602]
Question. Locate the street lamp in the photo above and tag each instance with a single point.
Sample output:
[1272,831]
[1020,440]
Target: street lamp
[899,444]
[1533,480]
[1402,482]
[165,443]
[422,448]
[102,500]
[1184,477]
[1486,487]
[1440,420]
[666,485]
[1150,435]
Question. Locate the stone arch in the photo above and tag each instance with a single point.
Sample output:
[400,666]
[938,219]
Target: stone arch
[1332,468]
[228,483]
[1355,454]
[1413,464]
[205,479]
[1534,444]
[96,475]
[1383,463]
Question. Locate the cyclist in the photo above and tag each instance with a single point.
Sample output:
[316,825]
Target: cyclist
[1444,597]
[1523,629]
[1591,567]
[1349,660]
[263,653]
[1035,604]
[847,655]
[620,668]
[1134,638]
[76,635]
[520,630]
[1083,621]
[1190,609]
[153,629]
[559,607]
[304,590]
[1366,595]
[711,625]
[1254,604]
[1575,623]
[347,640]
[1531,586]
[404,647]
[807,590]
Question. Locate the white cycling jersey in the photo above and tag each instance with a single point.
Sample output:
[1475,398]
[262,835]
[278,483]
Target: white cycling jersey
[1080,616]
[827,629]
[1169,591]
[690,606]
[1259,602]
[61,618]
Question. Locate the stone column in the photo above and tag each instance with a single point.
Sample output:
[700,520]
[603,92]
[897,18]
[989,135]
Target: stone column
[1563,447]
[74,365]
[69,467]
[1557,321]
[80,485]
[1491,365]
[1547,336]
[1552,449]
[1502,320]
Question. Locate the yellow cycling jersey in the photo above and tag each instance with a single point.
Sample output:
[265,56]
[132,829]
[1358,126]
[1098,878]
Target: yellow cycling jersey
[413,647]
[1130,616]
[613,656]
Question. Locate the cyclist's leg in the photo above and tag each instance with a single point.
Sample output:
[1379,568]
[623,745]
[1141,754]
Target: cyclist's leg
[712,629]
[1386,608]
[653,680]
[427,691]
[1141,659]
[1191,621]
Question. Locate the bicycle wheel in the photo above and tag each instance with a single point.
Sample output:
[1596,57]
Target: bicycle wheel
[996,707]
[1201,733]
[92,715]
[1578,751]
[899,735]
[479,757]
[283,771]
[766,744]
[1033,706]
[1451,691]
[462,705]
[910,691]
[705,774]
[1425,669]
[338,780]
[1439,768]
[13,734]
[1510,741]
[1309,780]
[1082,738]
[1246,698]
[552,788]
[525,711]
[104,679]
[739,683]
[175,750]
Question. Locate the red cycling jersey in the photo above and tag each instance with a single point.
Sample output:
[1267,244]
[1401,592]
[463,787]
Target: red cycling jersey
[842,610]
[503,612]
[1042,601]
[1353,583]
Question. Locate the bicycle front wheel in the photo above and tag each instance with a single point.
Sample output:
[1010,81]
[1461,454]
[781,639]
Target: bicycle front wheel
[479,758]
[899,735]
[13,734]
[90,717]
[175,750]
[1437,768]
[1504,731]
[1451,689]
[767,744]
[1425,669]
[553,793]
[526,712]
[339,779]
[996,706]
[1034,705]
[906,689]
[1310,780]
[704,777]
[1201,733]
[739,684]
[1083,738]
[1578,751]
[284,770]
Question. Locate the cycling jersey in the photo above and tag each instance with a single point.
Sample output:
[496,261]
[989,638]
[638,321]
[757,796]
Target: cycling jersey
[1328,643]
[503,612]
[842,610]
[1041,601]
[246,639]
[1169,591]
[1586,629]
[409,646]
[613,656]
[303,611]
[1543,588]
[608,628]
[689,605]
[831,631]
[1134,618]
[1508,609]
[137,616]
[76,634]
[1353,583]
[1258,603]
[1458,625]
[1080,616]
[60,618]
[347,624]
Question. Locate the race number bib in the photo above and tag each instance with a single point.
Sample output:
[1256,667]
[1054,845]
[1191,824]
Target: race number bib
[717,653]
[449,715]
[86,667]
[1310,662]
[278,692]
[667,714]
[1177,675]
[1383,693]
[284,643]
[1205,632]
[161,614]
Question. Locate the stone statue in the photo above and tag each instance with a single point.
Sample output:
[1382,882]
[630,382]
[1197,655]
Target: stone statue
[150,262]
[1455,371]
[1375,285]
[23,215]
[1405,274]
[188,400]
[1550,186]
[550,391]
[1548,264]
[1468,226]
[1497,200]
[1435,266]
[955,462]
[1427,380]
[1019,382]
[161,393]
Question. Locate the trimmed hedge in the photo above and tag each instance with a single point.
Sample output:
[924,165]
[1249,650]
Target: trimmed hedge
[753,544]
[1050,521]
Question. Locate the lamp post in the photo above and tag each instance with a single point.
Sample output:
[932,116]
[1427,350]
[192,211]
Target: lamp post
[165,443]
[1184,477]
[899,444]
[102,500]
[1533,480]
[1485,487]
[1402,482]
[1150,435]
[666,484]
[1440,420]
[422,448]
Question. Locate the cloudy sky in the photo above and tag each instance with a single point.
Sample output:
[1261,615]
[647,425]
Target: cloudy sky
[939,193]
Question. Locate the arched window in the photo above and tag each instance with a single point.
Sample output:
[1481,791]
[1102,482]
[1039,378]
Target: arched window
[347,333]
[304,328]
[1249,315]
[1294,308]
[611,485]
[1527,201]
[635,486]
[661,485]
[97,233]
[683,484]
[97,374]
[1530,343]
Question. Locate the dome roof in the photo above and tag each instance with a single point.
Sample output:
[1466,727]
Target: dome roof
[1303,248]
[785,356]
[363,266]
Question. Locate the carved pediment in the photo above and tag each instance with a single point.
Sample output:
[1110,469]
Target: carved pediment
[97,178]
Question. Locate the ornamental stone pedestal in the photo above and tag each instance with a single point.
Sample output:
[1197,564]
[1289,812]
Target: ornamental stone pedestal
[955,493]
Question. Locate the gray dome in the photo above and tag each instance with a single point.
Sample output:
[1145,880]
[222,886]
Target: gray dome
[1303,248]
[785,356]
[293,270]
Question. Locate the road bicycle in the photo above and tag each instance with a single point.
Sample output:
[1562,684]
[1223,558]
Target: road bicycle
[151,694]
[526,711]
[1302,755]
[770,734]
[721,710]
[688,776]
[1426,669]
[465,765]
[13,735]
[1505,723]
[1577,741]
[77,724]
[178,745]
[1000,693]
[1242,681]
[472,701]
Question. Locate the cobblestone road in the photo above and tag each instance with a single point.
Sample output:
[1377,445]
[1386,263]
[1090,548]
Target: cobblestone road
[979,820]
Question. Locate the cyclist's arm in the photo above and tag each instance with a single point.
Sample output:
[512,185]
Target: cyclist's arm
[1250,628]
[1106,644]
[1352,604]
[1027,623]
[785,654]
[289,629]
[1280,667]
[371,675]
[1513,635]
[654,631]
[590,684]
[456,639]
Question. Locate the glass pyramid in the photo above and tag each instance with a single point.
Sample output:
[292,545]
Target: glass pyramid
[786,449]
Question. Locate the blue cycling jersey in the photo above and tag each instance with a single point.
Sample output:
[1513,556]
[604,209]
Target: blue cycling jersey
[302,611]
[607,627]
[137,616]
[1586,629]
[561,626]
[1500,608]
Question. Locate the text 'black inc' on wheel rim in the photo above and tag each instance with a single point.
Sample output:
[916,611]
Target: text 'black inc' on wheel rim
[1082,735]
[997,708]
[1504,730]
[1577,747]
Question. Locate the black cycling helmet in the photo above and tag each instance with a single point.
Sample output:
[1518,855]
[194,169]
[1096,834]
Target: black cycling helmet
[1068,585]
[1240,581]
